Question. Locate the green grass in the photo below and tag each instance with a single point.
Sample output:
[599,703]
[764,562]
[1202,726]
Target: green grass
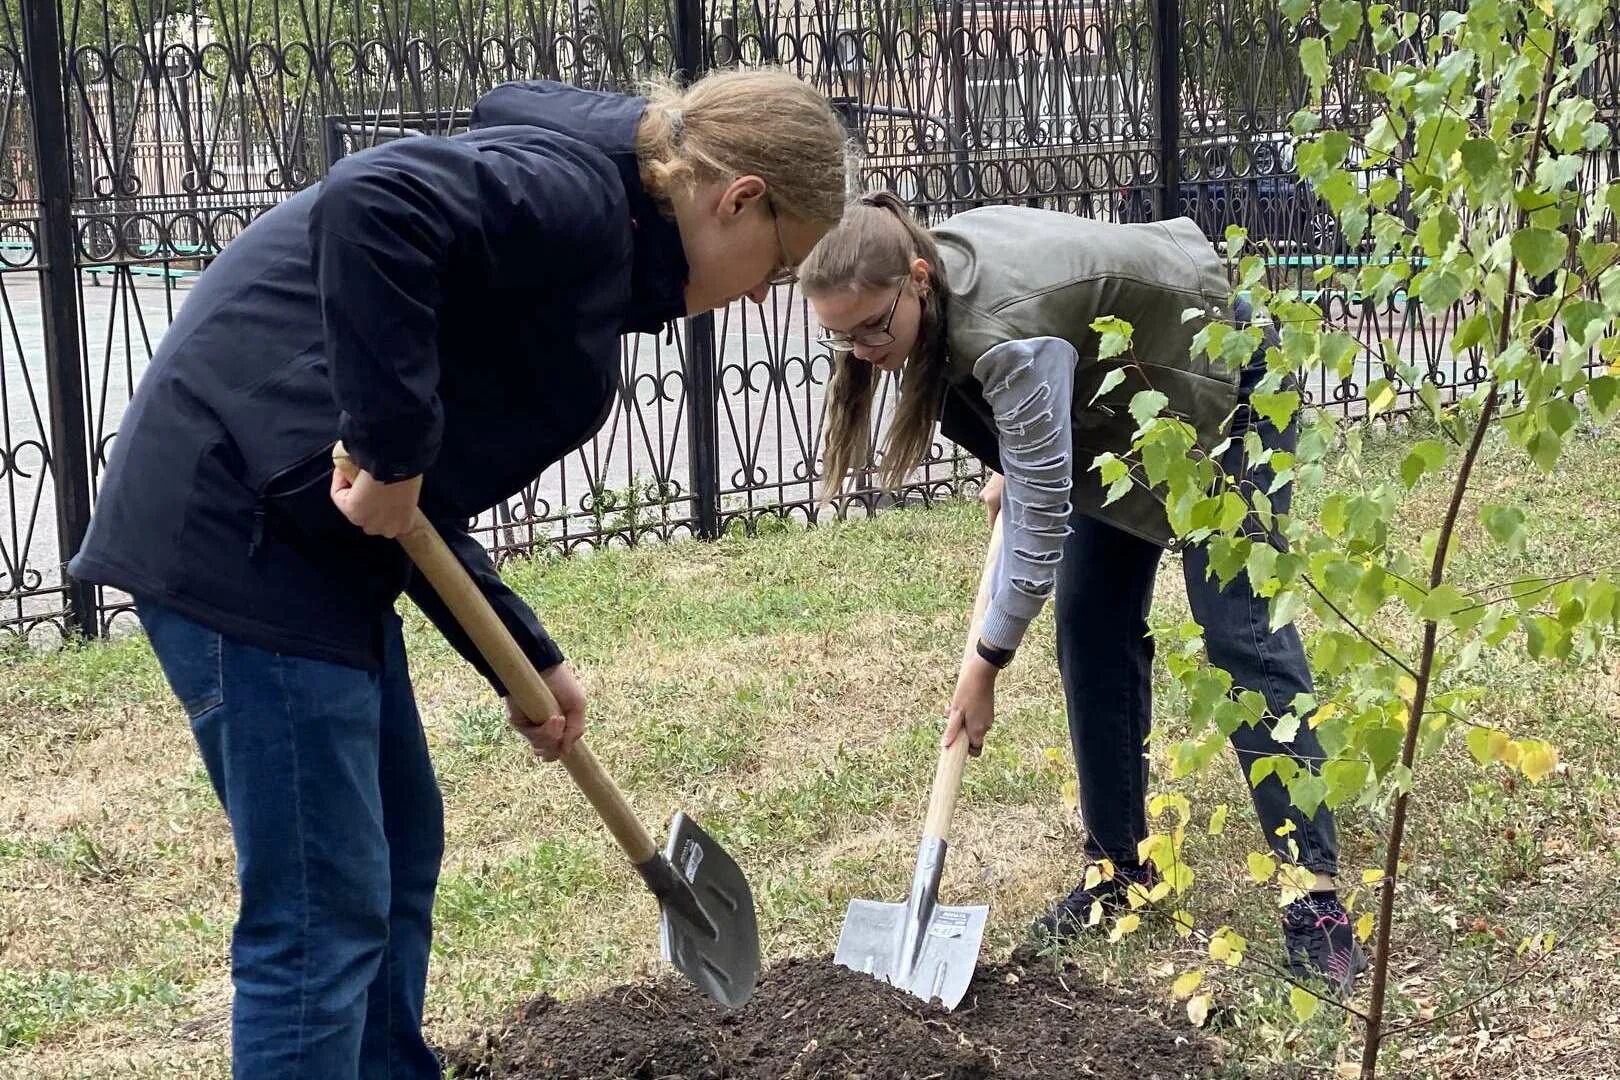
[787,690]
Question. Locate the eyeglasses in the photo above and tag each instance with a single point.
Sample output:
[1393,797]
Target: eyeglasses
[786,273]
[872,339]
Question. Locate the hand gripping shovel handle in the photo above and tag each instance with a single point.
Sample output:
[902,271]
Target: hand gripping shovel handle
[471,608]
[952,759]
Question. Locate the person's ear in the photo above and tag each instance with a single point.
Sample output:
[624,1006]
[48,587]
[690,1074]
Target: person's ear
[737,196]
[920,271]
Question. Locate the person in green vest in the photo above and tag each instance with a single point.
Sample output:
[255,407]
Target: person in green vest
[987,320]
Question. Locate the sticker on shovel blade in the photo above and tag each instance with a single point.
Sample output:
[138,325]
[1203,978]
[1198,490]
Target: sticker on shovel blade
[949,924]
[691,858]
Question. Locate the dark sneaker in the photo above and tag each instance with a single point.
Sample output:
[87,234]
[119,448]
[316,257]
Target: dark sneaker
[1070,916]
[1321,943]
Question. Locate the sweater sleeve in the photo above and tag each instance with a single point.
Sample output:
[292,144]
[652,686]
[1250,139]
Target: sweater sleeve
[1029,385]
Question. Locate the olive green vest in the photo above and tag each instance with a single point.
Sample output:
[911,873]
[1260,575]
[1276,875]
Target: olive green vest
[1015,272]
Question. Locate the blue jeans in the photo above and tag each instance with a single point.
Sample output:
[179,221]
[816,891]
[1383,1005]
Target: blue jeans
[323,771]
[1103,594]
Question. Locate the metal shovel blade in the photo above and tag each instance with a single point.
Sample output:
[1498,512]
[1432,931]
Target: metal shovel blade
[707,927]
[945,962]
[925,948]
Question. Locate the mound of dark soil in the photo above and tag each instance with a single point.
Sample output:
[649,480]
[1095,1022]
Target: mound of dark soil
[811,1019]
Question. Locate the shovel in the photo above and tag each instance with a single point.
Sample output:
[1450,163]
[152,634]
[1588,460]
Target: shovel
[922,946]
[707,927]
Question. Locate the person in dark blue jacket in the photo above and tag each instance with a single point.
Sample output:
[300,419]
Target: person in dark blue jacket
[451,309]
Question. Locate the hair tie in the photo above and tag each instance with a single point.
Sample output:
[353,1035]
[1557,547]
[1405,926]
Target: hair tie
[677,125]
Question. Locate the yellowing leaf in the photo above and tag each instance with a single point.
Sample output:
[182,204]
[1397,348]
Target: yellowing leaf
[1159,892]
[1304,1003]
[1183,922]
[1217,820]
[1261,867]
[1371,877]
[1093,876]
[1127,924]
[1184,986]
[1198,1009]
[1096,913]
[1227,947]
[1364,925]
[1071,793]
[1537,759]
[1381,398]
[1053,754]
[1107,868]
[1284,829]
[1324,713]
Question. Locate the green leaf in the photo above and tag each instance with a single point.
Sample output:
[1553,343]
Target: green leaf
[1480,745]
[1285,608]
[1505,524]
[1388,230]
[1479,157]
[1580,316]
[1117,491]
[1335,515]
[1307,791]
[1439,287]
[1424,457]
[1116,335]
[1383,747]
[1262,568]
[1540,251]
[1603,391]
[1443,601]
[1544,447]
[1313,59]
[1561,415]
[1111,467]
[1146,404]
[1110,380]
[1345,780]
[1227,557]
[1278,408]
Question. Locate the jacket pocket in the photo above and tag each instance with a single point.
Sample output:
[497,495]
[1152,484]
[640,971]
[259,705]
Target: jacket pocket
[295,508]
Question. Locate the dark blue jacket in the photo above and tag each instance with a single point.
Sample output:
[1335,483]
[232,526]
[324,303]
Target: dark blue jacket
[445,306]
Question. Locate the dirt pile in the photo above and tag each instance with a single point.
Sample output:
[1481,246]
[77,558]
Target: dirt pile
[810,1019]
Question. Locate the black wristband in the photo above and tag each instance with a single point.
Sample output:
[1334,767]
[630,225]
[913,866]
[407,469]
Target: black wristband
[996,658]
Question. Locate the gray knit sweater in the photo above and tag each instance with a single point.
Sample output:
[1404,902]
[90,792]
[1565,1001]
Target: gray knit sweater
[1029,386]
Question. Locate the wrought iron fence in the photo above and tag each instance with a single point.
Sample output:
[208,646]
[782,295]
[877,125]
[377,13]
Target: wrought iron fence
[138,139]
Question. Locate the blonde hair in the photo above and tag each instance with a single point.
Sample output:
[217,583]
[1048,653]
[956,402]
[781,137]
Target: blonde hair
[873,247]
[762,122]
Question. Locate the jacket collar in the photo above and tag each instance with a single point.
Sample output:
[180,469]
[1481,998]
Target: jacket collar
[609,122]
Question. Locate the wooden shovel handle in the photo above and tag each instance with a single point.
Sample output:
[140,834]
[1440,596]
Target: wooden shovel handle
[472,610]
[952,759]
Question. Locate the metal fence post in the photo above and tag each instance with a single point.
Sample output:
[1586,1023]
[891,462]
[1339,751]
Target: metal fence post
[59,300]
[1167,79]
[702,421]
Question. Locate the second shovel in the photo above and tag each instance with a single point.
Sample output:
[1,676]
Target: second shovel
[922,946]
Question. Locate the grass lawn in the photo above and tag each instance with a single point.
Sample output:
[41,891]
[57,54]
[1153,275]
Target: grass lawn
[787,691]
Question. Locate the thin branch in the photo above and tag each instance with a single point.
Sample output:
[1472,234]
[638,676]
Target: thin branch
[1527,970]
[1374,642]
[1204,938]
[1397,829]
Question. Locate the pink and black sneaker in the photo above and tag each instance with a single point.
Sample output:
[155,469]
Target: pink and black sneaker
[1321,943]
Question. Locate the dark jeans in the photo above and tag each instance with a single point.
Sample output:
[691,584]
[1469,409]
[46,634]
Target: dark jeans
[1104,591]
[323,771]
